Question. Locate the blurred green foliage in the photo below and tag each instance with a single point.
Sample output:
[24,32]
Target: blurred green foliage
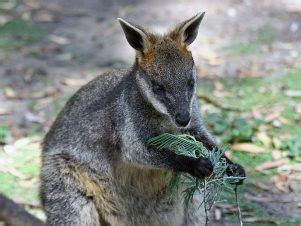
[17,32]
[4,132]
[232,130]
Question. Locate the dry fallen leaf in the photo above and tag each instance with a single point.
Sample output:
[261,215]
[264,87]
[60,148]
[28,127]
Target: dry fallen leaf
[298,108]
[45,93]
[228,154]
[272,116]
[289,168]
[298,112]
[22,201]
[276,154]
[276,123]
[73,82]
[253,70]
[280,182]
[5,111]
[211,57]
[5,168]
[273,113]
[218,85]
[293,93]
[264,139]
[43,16]
[272,164]
[276,142]
[256,198]
[205,72]
[33,4]
[9,92]
[256,112]
[220,94]
[59,39]
[284,120]
[262,186]
[218,214]
[263,128]
[262,220]
[248,147]
[224,205]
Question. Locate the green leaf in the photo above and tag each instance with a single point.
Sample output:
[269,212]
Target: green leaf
[189,146]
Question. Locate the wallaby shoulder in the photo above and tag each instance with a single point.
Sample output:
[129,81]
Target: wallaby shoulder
[101,91]
[89,115]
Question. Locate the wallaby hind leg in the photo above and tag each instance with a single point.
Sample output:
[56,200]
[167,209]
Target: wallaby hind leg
[64,202]
[69,208]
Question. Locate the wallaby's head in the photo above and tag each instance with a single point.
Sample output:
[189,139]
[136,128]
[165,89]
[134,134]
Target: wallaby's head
[166,68]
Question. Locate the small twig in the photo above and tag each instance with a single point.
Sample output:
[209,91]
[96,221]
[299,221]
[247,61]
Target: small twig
[205,207]
[237,206]
[217,104]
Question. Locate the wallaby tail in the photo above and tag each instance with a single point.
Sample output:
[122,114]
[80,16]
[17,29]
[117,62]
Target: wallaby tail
[13,215]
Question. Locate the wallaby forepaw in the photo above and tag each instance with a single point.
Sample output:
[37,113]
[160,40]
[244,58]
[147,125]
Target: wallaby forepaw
[202,168]
[236,170]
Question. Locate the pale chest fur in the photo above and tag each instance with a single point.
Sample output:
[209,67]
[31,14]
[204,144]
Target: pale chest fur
[133,196]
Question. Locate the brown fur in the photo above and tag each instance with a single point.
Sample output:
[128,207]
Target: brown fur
[185,53]
[147,58]
[94,188]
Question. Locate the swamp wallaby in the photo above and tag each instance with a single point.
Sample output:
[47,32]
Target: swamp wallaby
[97,167]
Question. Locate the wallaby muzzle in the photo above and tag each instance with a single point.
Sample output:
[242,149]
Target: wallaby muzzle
[183,118]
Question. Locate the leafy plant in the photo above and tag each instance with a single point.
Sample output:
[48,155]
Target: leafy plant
[267,34]
[17,33]
[292,147]
[4,132]
[211,186]
[232,130]
[21,30]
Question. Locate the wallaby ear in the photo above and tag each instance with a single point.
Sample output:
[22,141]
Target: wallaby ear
[135,36]
[188,30]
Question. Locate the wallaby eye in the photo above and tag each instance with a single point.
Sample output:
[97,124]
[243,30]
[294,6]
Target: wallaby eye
[190,83]
[158,89]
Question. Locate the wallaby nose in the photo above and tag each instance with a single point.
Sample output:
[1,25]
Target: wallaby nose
[183,119]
